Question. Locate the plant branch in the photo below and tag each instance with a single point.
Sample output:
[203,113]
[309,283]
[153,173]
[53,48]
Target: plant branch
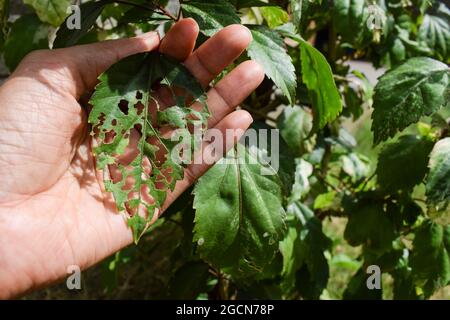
[167,13]
[368,179]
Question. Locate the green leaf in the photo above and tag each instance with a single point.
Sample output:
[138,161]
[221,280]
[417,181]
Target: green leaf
[430,260]
[349,17]
[386,261]
[357,288]
[51,11]
[239,4]
[301,185]
[438,180]
[303,252]
[212,15]
[404,287]
[418,87]
[274,16]
[27,33]
[355,165]
[267,48]
[288,30]
[295,125]
[89,14]
[404,212]
[318,78]
[271,147]
[121,104]
[342,260]
[403,164]
[435,33]
[137,15]
[297,12]
[325,200]
[370,225]
[239,213]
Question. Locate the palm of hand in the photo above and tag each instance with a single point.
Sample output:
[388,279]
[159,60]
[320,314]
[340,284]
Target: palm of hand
[53,210]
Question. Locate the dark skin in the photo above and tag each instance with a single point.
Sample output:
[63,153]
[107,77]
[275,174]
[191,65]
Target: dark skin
[54,211]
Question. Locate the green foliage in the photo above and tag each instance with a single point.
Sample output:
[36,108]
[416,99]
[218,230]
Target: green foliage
[417,88]
[274,16]
[28,33]
[350,18]
[318,78]
[357,288]
[267,48]
[302,251]
[212,15]
[370,225]
[336,204]
[89,14]
[295,125]
[239,4]
[430,261]
[434,31]
[51,11]
[130,82]
[403,164]
[239,212]
[438,180]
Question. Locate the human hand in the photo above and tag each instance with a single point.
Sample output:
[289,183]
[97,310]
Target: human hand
[53,208]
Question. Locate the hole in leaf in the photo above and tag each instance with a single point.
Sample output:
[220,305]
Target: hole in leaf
[123,106]
[139,108]
[110,136]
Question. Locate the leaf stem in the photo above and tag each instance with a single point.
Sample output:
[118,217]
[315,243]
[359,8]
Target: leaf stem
[179,12]
[368,179]
[167,13]
[324,180]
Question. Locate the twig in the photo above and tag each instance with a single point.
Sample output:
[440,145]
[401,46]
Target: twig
[179,11]
[321,178]
[368,179]
[167,13]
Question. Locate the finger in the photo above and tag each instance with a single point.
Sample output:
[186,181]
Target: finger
[222,100]
[217,53]
[212,57]
[232,90]
[180,40]
[179,44]
[236,122]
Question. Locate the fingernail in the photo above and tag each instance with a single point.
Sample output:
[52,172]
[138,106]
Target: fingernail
[249,33]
